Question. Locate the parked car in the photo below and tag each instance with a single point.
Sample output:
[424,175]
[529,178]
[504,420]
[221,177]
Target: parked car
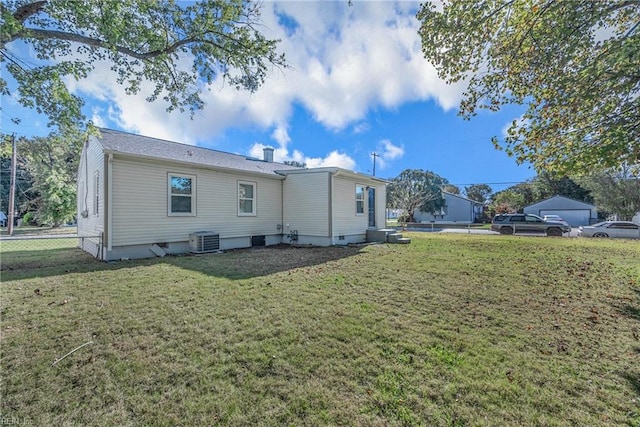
[3,219]
[616,229]
[527,223]
[554,218]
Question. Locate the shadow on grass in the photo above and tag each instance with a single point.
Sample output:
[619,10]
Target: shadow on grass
[235,264]
[630,310]
[633,380]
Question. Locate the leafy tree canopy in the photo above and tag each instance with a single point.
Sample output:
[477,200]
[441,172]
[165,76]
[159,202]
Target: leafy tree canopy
[615,191]
[142,40]
[415,189]
[49,167]
[547,185]
[450,188]
[574,64]
[543,186]
[478,192]
[295,163]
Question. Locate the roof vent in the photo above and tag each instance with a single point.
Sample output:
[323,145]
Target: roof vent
[268,154]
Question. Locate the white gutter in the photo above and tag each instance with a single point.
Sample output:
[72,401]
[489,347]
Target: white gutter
[330,203]
[109,193]
[265,174]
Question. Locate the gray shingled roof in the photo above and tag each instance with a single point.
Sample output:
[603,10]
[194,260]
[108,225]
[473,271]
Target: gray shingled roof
[126,143]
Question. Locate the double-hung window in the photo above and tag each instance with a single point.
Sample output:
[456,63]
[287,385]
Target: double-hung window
[182,195]
[359,199]
[246,198]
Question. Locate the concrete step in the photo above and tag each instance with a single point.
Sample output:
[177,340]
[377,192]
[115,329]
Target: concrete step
[378,235]
[384,235]
[392,237]
[397,238]
[403,240]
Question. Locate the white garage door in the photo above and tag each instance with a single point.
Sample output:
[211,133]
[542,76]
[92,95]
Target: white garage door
[574,217]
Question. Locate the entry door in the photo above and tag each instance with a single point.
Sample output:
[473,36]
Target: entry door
[372,207]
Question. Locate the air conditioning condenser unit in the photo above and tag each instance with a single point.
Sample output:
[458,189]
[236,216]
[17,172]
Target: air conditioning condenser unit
[204,241]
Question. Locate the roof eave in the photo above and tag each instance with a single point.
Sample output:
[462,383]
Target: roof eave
[271,175]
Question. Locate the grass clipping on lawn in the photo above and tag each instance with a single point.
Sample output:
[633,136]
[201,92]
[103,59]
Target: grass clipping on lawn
[449,330]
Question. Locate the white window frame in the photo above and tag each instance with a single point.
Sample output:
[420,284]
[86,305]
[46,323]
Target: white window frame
[96,193]
[172,175]
[253,199]
[363,200]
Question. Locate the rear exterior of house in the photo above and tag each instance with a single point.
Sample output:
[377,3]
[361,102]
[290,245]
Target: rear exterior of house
[141,197]
[574,212]
[456,209]
[331,206]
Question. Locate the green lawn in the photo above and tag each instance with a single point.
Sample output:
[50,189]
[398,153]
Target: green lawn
[449,330]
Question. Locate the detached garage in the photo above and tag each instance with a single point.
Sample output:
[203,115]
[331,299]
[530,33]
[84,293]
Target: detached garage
[573,211]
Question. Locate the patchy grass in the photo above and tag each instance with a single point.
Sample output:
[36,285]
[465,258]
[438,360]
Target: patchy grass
[450,330]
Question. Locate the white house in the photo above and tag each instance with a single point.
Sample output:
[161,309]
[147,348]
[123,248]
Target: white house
[456,208]
[142,197]
[573,211]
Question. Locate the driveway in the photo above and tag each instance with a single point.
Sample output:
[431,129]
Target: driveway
[473,230]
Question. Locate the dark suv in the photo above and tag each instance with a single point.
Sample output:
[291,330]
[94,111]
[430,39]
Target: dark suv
[527,223]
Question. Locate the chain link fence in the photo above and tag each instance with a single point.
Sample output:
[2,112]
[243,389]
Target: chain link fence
[28,251]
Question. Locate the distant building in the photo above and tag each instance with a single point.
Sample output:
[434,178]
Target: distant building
[456,208]
[573,211]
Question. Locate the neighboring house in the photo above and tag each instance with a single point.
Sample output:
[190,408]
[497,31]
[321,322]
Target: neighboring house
[573,211]
[146,196]
[636,218]
[456,209]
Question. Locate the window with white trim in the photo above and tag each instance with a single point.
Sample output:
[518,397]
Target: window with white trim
[246,198]
[182,195]
[360,199]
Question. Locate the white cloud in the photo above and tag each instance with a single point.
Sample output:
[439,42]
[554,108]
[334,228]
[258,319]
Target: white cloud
[280,154]
[520,122]
[345,62]
[281,135]
[361,128]
[387,152]
[390,151]
[334,159]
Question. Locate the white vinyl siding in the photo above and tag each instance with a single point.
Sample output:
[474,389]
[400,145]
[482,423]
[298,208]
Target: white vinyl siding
[306,203]
[345,222]
[90,198]
[247,198]
[181,200]
[140,204]
[381,204]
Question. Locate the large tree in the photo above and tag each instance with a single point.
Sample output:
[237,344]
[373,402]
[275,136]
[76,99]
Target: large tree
[575,64]
[178,47]
[547,185]
[615,191]
[514,198]
[415,189]
[24,180]
[51,165]
[478,192]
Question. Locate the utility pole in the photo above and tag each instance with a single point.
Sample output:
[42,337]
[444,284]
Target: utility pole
[12,190]
[374,154]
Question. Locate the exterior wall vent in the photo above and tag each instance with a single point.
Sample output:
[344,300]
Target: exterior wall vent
[204,241]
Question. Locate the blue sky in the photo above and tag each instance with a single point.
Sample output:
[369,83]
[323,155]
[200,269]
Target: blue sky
[358,84]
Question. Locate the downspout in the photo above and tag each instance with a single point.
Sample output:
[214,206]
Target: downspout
[109,201]
[331,208]
[282,209]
